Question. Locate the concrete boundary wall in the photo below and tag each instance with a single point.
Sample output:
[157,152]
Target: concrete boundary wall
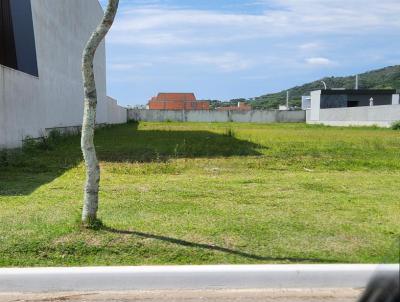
[254,116]
[382,116]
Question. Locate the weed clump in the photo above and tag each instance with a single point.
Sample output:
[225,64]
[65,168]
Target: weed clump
[396,125]
[230,133]
[44,142]
[22,157]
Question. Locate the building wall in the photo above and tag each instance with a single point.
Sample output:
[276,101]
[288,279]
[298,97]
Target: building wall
[384,112]
[315,105]
[178,105]
[305,102]
[382,116]
[342,100]
[241,106]
[363,100]
[254,116]
[115,113]
[334,101]
[28,104]
[177,101]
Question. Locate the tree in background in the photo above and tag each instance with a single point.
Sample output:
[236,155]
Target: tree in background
[91,193]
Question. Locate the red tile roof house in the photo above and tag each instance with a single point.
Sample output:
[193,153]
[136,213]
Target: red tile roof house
[177,101]
[241,106]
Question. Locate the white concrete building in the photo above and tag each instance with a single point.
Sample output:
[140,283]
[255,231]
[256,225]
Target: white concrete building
[40,67]
[366,107]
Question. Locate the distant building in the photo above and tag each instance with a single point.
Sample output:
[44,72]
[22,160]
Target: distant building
[341,98]
[177,101]
[343,107]
[241,106]
[283,107]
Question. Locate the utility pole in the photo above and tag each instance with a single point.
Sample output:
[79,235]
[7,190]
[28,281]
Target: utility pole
[357,82]
[287,99]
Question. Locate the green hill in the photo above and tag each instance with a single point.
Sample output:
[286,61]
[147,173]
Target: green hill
[388,77]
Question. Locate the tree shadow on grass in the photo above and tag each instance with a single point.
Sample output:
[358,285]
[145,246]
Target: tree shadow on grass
[23,171]
[215,247]
[134,145]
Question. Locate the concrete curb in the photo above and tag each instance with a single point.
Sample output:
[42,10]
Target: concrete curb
[189,277]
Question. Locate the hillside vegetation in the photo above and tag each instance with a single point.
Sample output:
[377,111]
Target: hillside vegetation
[388,77]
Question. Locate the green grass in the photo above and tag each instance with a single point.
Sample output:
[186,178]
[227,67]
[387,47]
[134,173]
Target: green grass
[197,193]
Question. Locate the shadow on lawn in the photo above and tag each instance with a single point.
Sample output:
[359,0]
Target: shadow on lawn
[23,171]
[214,247]
[134,145]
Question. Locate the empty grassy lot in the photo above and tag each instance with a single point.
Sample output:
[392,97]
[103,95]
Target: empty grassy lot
[197,193]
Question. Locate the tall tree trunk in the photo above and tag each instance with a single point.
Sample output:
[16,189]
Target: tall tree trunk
[91,193]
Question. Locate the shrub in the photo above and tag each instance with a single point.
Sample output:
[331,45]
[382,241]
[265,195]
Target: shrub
[12,158]
[55,135]
[396,125]
[30,144]
[44,142]
[4,158]
[132,121]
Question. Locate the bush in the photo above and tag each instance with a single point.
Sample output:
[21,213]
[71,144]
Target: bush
[44,142]
[396,125]
[132,121]
[4,158]
[12,158]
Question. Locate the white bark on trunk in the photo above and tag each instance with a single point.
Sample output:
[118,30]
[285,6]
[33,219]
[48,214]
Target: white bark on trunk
[91,192]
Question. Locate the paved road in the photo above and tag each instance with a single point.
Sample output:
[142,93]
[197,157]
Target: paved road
[275,295]
[206,277]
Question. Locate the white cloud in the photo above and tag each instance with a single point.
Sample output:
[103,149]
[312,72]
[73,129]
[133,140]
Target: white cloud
[156,25]
[319,61]
[287,42]
[311,46]
[129,66]
[222,61]
[226,62]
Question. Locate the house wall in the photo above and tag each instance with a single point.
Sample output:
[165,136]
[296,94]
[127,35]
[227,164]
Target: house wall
[363,100]
[28,104]
[396,99]
[115,113]
[305,102]
[334,101]
[382,116]
[341,100]
[254,116]
[179,105]
[315,106]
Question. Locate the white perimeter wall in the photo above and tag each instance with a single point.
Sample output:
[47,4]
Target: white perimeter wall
[254,116]
[382,116]
[29,105]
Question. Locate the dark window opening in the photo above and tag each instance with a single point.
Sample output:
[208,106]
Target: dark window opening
[8,55]
[352,104]
[17,39]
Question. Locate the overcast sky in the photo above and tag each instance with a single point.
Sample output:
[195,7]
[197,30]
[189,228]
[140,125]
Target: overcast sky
[223,49]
